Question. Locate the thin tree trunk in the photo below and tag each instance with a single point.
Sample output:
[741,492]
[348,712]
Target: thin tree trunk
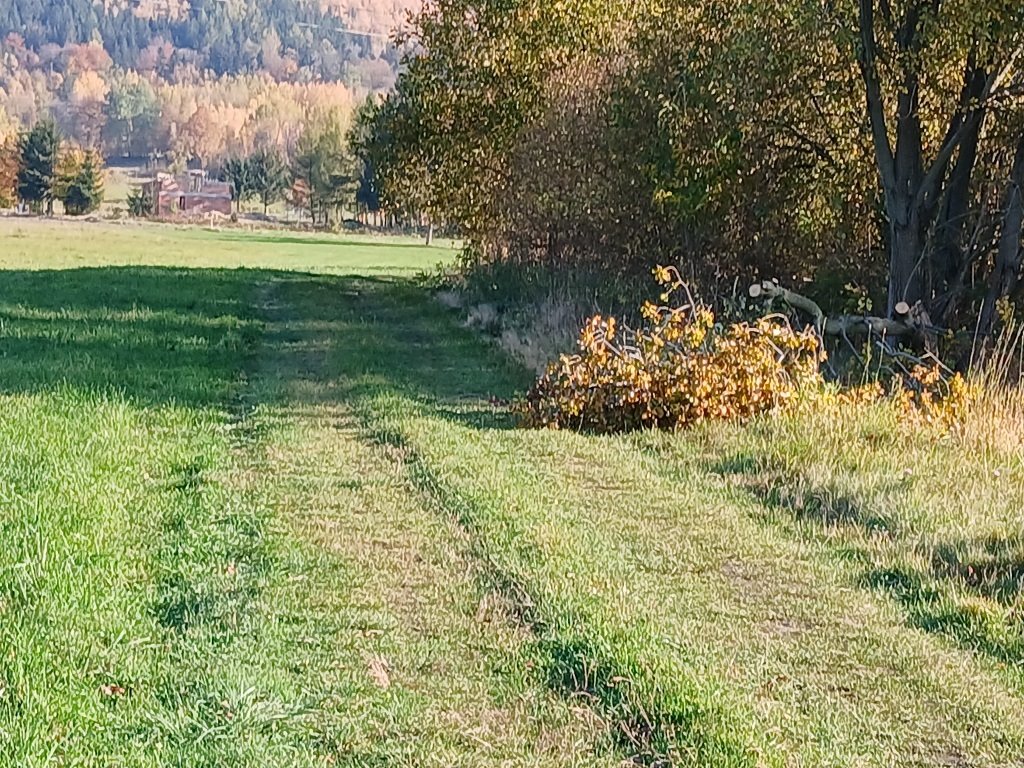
[952,219]
[1009,255]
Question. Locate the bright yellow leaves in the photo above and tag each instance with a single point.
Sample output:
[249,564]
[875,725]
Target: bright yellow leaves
[679,369]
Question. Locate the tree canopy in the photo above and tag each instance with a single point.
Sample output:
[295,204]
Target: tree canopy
[874,148]
[39,149]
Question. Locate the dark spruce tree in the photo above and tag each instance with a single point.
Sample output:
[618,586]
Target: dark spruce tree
[269,175]
[140,204]
[238,174]
[38,150]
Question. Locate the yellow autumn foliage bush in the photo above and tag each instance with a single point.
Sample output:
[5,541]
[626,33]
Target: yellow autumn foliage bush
[679,368]
[926,396]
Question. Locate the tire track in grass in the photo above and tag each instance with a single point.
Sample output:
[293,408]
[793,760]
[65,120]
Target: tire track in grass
[742,646]
[679,584]
[400,344]
[685,721]
[407,661]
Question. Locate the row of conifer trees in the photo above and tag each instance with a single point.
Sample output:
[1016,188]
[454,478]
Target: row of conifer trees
[39,168]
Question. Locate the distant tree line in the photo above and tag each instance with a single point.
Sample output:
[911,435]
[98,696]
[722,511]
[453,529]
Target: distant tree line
[38,168]
[122,113]
[193,116]
[323,175]
[181,81]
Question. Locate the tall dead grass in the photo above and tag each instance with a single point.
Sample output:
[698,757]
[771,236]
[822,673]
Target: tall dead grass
[994,413]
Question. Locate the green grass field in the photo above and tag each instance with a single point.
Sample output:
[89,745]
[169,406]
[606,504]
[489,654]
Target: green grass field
[258,507]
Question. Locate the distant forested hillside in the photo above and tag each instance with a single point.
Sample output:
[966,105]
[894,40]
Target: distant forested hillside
[291,39]
[191,80]
[379,16]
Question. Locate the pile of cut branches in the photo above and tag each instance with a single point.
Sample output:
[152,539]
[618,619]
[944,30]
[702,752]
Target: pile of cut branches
[679,368]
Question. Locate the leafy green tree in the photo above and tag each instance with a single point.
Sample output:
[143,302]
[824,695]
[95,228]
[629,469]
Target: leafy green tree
[873,146]
[459,111]
[83,191]
[324,168]
[268,174]
[131,111]
[9,163]
[368,140]
[39,149]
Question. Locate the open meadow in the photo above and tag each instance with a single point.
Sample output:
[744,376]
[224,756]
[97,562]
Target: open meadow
[262,504]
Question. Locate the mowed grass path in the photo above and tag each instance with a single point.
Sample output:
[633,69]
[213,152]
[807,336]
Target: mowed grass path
[257,509]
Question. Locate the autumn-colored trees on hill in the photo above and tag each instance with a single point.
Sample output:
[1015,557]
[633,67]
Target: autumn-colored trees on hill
[130,78]
[127,113]
[222,37]
[379,16]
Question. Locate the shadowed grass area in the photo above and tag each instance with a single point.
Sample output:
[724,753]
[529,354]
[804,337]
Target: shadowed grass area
[154,335]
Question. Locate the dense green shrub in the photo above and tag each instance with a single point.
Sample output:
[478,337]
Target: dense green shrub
[139,203]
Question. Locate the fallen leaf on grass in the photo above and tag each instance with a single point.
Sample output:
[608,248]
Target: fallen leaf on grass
[380,671]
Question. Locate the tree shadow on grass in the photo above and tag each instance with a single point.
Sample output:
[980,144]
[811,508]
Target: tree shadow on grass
[992,567]
[191,337]
[377,337]
[154,335]
[931,605]
[333,242]
[970,590]
[816,504]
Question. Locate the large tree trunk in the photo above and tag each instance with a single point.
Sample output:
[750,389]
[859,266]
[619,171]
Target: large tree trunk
[906,259]
[915,190]
[899,168]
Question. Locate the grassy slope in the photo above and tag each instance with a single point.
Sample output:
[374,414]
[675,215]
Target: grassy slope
[331,546]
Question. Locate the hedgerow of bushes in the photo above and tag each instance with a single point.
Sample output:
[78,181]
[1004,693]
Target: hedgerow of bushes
[678,368]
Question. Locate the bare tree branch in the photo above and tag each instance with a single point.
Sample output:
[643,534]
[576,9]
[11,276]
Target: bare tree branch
[868,57]
[842,325]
